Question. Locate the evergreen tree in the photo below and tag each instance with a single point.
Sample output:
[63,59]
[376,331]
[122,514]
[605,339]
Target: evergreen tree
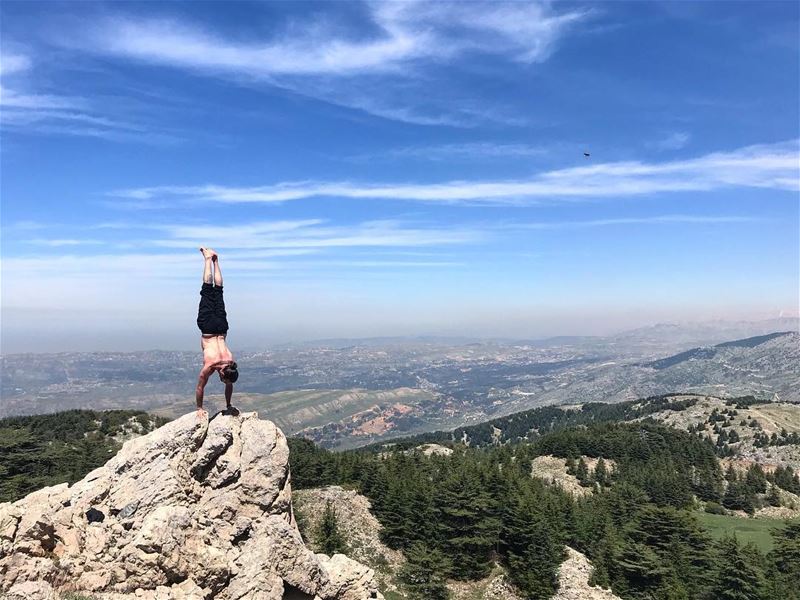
[533,549]
[468,532]
[737,498]
[582,473]
[755,480]
[639,572]
[785,478]
[423,574]
[736,578]
[773,497]
[785,562]
[328,537]
[681,545]
[601,473]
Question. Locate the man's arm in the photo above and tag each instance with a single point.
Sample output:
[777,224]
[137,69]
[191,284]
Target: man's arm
[228,394]
[205,373]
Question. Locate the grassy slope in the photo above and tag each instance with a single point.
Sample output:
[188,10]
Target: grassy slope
[756,530]
[297,409]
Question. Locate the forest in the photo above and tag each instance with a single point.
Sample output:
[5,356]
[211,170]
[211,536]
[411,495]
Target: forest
[528,424]
[455,516]
[42,450]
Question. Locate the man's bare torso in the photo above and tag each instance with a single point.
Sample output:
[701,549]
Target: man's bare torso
[215,350]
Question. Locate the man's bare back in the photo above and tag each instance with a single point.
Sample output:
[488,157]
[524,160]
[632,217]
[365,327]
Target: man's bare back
[215,350]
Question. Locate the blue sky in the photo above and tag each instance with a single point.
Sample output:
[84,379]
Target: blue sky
[375,169]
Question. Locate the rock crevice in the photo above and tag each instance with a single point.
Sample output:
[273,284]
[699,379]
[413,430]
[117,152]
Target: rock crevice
[195,510]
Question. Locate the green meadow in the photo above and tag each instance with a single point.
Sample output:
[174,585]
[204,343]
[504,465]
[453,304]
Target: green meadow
[756,530]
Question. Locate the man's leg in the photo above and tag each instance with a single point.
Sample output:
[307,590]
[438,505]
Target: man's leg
[219,309]
[206,311]
[217,271]
[208,259]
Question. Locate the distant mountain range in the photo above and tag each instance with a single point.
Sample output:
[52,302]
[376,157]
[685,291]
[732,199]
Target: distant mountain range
[766,366]
[709,353]
[366,391]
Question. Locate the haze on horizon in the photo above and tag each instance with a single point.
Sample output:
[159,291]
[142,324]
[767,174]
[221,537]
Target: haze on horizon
[382,169]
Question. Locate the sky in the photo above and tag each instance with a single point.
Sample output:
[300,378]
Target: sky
[380,169]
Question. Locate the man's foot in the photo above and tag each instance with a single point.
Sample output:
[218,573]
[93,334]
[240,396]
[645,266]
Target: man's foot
[202,413]
[231,410]
[208,253]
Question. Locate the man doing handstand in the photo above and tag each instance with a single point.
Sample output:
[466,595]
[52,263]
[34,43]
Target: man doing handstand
[213,323]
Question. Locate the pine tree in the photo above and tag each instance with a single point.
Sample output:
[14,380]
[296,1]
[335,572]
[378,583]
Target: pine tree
[638,571]
[755,480]
[773,497]
[533,548]
[423,575]
[601,473]
[467,530]
[736,577]
[328,537]
[582,473]
[785,562]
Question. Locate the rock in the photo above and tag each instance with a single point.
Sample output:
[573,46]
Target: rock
[500,588]
[192,511]
[434,449]
[573,580]
[31,590]
[359,528]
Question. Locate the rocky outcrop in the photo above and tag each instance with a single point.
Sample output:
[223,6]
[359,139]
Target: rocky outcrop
[195,510]
[357,525]
[573,580]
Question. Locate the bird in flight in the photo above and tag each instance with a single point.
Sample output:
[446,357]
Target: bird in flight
[586,154]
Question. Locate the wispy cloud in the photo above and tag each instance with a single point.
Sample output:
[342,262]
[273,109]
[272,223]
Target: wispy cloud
[406,31]
[37,102]
[32,112]
[311,234]
[655,220]
[775,166]
[13,63]
[468,151]
[55,243]
[674,141]
[255,241]
[375,72]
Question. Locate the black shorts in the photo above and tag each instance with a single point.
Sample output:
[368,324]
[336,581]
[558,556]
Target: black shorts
[211,317]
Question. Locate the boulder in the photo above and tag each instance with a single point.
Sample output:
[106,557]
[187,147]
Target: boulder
[197,509]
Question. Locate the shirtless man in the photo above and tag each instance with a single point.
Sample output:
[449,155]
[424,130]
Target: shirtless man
[213,324]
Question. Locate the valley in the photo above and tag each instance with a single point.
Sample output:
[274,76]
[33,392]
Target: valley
[344,394]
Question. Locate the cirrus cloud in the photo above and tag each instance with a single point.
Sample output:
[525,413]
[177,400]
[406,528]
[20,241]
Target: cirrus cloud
[773,166]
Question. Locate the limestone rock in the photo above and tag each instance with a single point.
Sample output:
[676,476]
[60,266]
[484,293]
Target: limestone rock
[195,510]
[358,526]
[573,580]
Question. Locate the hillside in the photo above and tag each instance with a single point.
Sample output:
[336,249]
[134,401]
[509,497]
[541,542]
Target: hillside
[467,518]
[633,520]
[760,432]
[369,412]
[680,411]
[360,392]
[766,369]
[361,533]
